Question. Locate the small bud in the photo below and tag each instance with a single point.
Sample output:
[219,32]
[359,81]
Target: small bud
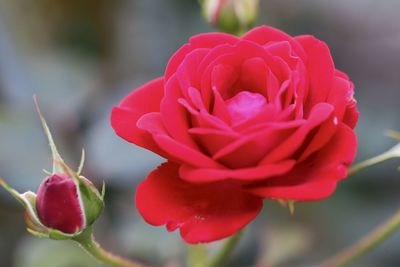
[232,16]
[66,203]
[58,205]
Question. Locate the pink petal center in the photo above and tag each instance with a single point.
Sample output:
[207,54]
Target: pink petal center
[245,105]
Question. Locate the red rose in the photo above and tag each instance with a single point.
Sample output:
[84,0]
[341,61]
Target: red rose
[265,115]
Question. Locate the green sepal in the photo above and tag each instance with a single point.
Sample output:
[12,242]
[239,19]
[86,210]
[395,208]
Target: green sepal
[54,152]
[287,203]
[58,235]
[28,200]
[93,202]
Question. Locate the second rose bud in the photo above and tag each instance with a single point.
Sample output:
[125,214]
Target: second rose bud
[232,16]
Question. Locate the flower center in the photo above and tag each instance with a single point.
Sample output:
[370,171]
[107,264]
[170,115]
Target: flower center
[245,105]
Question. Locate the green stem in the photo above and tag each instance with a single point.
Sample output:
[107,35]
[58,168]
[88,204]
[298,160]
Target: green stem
[370,241]
[197,256]
[226,251]
[89,244]
[369,162]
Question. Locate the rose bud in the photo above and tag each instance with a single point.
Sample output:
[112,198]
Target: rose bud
[66,203]
[57,204]
[232,16]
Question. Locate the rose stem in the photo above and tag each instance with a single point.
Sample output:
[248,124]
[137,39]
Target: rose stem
[197,256]
[365,244]
[226,251]
[89,244]
[369,162]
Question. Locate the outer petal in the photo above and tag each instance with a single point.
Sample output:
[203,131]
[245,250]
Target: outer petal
[287,148]
[314,179]
[152,122]
[205,40]
[351,115]
[320,67]
[204,213]
[252,174]
[124,117]
[265,34]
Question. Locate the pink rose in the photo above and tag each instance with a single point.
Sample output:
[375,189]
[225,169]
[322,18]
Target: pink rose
[265,115]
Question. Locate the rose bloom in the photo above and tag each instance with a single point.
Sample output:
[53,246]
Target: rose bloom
[239,119]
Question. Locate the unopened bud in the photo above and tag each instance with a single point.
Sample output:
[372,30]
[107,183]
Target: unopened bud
[66,203]
[232,16]
[58,204]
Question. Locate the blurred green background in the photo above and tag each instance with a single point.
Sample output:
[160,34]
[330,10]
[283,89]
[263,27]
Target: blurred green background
[82,57]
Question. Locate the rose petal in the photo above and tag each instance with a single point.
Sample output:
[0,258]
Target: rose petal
[253,76]
[321,137]
[339,96]
[220,109]
[251,174]
[124,117]
[207,40]
[284,50]
[203,213]
[316,178]
[319,113]
[186,74]
[351,115]
[250,149]
[213,139]
[320,68]
[265,34]
[213,39]
[174,114]
[152,122]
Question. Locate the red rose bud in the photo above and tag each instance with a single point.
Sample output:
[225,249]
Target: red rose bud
[58,205]
[66,203]
[232,16]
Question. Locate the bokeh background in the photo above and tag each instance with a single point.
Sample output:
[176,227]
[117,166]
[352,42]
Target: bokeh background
[82,57]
